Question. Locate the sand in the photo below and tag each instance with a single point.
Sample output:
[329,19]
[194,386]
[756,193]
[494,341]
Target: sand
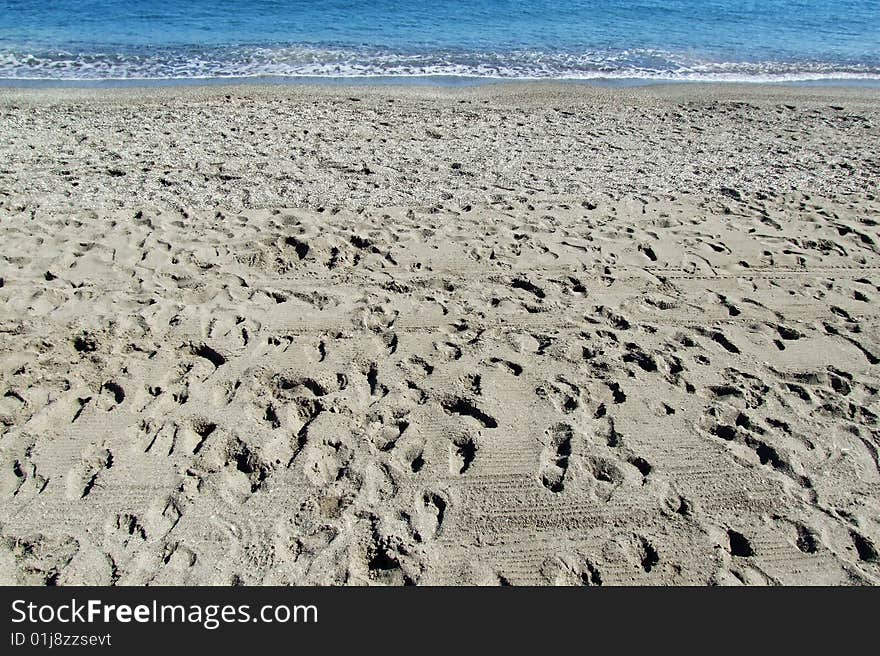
[500,335]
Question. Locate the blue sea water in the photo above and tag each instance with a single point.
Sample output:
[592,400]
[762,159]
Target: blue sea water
[737,40]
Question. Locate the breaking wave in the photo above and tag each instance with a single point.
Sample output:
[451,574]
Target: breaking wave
[302,61]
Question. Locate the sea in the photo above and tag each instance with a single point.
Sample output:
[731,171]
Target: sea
[107,42]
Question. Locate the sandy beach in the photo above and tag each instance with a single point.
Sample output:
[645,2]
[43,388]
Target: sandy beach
[505,334]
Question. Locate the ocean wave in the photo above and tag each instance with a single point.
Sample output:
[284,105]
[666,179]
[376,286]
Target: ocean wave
[331,62]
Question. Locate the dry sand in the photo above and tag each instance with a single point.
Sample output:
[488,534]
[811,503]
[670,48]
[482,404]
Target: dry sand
[524,335]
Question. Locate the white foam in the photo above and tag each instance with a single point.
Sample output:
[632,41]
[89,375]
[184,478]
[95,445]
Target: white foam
[312,62]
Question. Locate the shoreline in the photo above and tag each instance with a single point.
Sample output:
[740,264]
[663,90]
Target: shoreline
[507,91]
[424,81]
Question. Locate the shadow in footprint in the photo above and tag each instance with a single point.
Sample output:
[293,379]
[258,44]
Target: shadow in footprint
[555,456]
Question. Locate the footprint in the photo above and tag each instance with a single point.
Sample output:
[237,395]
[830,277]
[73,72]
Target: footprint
[571,570]
[739,545]
[607,474]
[115,390]
[128,527]
[719,338]
[83,478]
[807,540]
[525,285]
[637,356]
[864,547]
[209,354]
[555,457]
[512,367]
[462,452]
[431,512]
[561,399]
[466,408]
[634,549]
[388,559]
[617,394]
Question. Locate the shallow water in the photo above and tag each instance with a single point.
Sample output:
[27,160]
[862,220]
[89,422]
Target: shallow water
[769,40]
